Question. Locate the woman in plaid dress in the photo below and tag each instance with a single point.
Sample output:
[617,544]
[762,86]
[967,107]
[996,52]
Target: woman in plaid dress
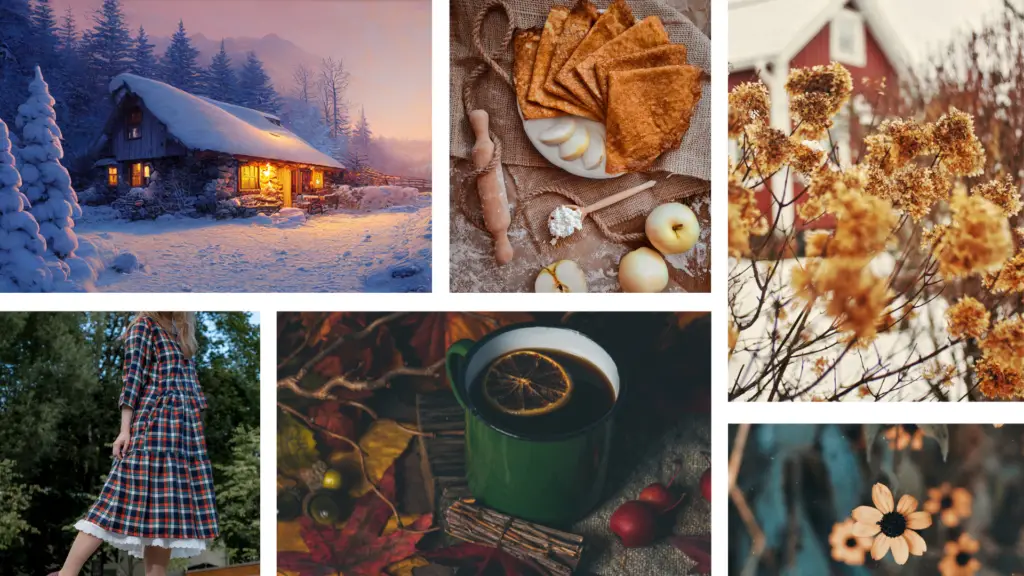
[158,502]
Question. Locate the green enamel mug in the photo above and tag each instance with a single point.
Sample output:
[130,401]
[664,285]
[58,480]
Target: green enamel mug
[552,479]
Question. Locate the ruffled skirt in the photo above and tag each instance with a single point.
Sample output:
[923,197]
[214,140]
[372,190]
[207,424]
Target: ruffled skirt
[180,548]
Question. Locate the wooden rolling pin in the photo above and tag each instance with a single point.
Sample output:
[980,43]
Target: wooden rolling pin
[491,187]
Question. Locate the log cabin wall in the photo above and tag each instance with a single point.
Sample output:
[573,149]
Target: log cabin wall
[153,140]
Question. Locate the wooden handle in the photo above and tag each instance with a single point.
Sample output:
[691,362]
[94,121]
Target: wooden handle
[617,197]
[491,188]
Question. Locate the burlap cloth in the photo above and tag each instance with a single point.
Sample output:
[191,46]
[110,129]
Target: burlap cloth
[541,187]
[604,555]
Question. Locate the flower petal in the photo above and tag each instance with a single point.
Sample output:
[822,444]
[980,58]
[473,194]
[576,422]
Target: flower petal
[880,547]
[907,504]
[919,520]
[900,550]
[882,498]
[915,542]
[861,530]
[867,515]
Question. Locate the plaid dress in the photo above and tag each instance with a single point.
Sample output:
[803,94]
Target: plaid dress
[161,492]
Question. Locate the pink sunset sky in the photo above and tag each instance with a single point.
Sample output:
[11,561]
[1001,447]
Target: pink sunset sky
[385,44]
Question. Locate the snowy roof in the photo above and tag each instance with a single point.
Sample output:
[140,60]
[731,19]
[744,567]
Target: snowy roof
[105,162]
[201,123]
[761,30]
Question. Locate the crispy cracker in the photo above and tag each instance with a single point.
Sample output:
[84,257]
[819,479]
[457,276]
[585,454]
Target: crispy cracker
[580,19]
[613,22]
[646,34]
[557,17]
[668,55]
[526,43]
[649,111]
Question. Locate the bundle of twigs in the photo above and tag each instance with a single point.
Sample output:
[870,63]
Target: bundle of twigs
[553,550]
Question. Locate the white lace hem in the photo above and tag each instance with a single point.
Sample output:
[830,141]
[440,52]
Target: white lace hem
[180,548]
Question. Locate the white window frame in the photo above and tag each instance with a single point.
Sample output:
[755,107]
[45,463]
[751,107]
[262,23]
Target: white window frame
[848,22]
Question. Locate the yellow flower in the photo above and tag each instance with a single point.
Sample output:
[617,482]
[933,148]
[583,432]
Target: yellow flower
[816,95]
[1002,193]
[958,557]
[977,241]
[846,547]
[960,151]
[967,318]
[893,528]
[748,103]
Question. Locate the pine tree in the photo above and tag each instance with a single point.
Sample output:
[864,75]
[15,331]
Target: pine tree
[255,88]
[47,183]
[143,61]
[221,83]
[362,133]
[108,45]
[179,62]
[44,27]
[22,268]
[67,33]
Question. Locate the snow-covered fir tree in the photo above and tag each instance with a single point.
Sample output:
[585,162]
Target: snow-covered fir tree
[178,66]
[143,61]
[67,33]
[362,135]
[108,45]
[255,88]
[220,80]
[304,119]
[22,268]
[46,182]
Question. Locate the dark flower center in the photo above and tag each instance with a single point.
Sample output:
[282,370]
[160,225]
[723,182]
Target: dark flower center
[893,524]
[851,542]
[963,558]
[910,428]
[947,502]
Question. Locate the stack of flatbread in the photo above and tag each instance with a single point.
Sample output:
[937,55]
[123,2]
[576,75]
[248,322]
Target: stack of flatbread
[612,69]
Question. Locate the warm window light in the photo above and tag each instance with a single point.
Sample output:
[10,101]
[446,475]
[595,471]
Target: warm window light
[145,171]
[318,179]
[248,175]
[266,171]
[111,175]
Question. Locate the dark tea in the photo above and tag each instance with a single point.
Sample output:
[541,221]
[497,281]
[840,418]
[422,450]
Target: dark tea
[538,392]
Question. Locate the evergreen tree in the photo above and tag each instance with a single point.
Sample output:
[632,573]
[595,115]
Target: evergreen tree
[108,45]
[47,183]
[221,83]
[255,88]
[16,33]
[22,268]
[67,33]
[362,135]
[44,28]
[143,61]
[239,512]
[179,62]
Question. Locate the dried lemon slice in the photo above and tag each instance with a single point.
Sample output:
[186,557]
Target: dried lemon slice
[526,383]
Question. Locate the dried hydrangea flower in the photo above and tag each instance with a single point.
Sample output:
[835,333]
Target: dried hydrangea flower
[816,95]
[997,383]
[1010,277]
[816,241]
[960,151]
[908,140]
[967,318]
[977,241]
[1002,193]
[1004,343]
[771,149]
[808,156]
[852,294]
[915,192]
[863,224]
[748,104]
[745,218]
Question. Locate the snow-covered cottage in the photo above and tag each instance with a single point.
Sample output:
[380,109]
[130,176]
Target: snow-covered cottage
[768,38]
[211,149]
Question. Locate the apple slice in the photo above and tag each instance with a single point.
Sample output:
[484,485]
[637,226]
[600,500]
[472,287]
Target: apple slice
[560,131]
[563,276]
[574,147]
[594,155]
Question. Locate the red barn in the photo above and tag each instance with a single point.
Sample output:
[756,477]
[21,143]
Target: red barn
[769,37]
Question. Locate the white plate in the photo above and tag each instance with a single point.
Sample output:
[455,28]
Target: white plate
[534,128]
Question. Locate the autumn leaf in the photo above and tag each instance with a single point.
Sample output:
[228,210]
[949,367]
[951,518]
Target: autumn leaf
[406,567]
[479,557]
[296,447]
[358,547]
[382,443]
[336,418]
[436,331]
[361,359]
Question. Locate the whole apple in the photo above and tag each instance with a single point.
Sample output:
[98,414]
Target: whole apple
[643,270]
[672,228]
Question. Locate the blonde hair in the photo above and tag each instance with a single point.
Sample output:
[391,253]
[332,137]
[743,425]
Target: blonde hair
[180,325]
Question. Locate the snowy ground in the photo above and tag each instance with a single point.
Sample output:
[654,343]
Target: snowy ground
[382,251]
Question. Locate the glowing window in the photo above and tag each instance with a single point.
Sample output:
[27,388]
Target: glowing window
[248,177]
[318,179]
[140,175]
[134,125]
[111,175]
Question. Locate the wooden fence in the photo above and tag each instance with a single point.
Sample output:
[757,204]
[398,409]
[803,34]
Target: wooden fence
[371,177]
